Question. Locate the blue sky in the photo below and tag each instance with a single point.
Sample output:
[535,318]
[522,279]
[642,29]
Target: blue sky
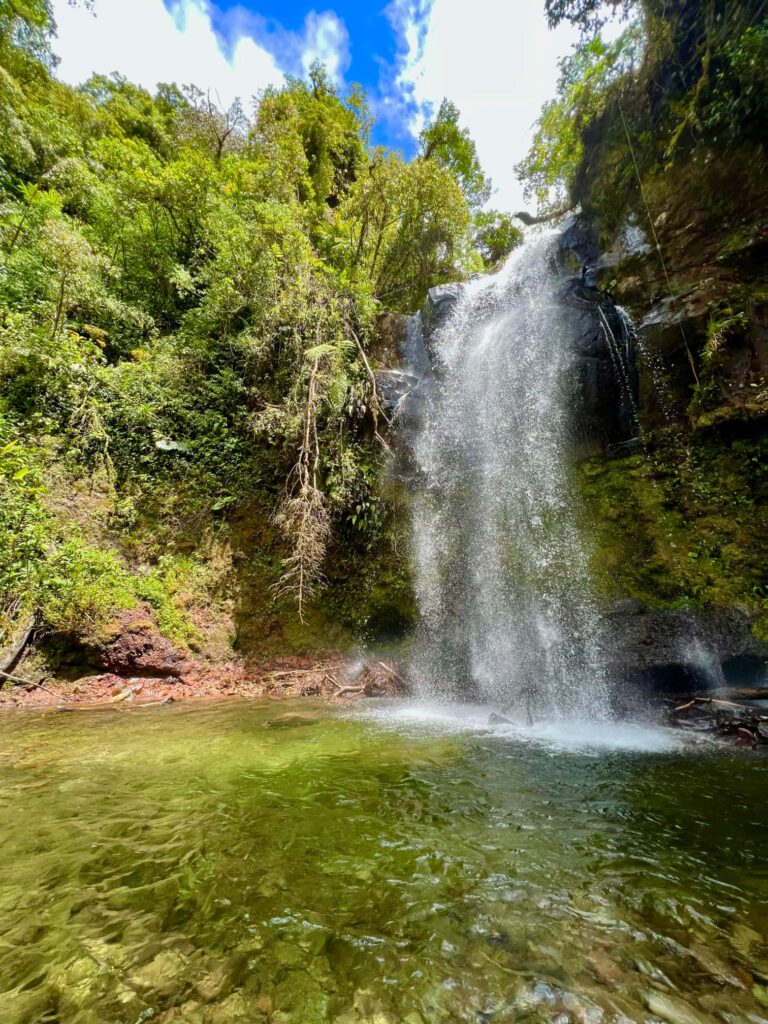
[496,59]
[369,54]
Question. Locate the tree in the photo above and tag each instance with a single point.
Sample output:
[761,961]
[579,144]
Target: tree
[495,236]
[549,168]
[186,302]
[202,121]
[26,25]
[450,146]
[589,15]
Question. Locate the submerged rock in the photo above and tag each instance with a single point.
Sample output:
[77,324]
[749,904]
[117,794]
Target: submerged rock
[722,972]
[235,1009]
[674,1010]
[162,977]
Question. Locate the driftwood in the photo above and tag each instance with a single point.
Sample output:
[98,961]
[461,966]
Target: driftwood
[343,690]
[376,679]
[743,722]
[379,680]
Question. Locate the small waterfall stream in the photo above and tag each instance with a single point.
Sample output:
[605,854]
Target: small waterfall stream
[501,567]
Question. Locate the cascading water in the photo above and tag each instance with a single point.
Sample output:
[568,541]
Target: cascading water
[501,569]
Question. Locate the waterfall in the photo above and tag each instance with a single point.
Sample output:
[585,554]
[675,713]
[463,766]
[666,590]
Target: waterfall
[501,570]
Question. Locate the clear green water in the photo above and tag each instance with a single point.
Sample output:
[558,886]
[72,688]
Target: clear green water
[261,862]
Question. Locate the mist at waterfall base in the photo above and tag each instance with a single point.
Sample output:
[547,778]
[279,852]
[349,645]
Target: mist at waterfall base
[500,561]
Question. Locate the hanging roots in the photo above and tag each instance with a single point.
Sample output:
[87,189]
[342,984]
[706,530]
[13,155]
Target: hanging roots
[304,519]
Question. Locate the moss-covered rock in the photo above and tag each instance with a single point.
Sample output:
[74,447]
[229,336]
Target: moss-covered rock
[682,525]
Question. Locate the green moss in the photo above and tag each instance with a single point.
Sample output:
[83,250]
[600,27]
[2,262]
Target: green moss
[682,526]
[368,597]
[83,589]
[170,588]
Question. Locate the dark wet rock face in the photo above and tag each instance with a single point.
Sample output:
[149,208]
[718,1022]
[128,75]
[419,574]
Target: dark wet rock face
[681,649]
[605,369]
[394,385]
[601,339]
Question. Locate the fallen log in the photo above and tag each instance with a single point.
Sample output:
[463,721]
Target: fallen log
[342,690]
[743,722]
[719,702]
[9,657]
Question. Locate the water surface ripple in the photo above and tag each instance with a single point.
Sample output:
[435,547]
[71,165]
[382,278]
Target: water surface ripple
[292,863]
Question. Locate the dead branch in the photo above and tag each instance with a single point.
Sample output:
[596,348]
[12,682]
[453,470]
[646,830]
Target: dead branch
[716,702]
[14,652]
[303,516]
[25,682]
[744,723]
[391,671]
[293,672]
[377,402]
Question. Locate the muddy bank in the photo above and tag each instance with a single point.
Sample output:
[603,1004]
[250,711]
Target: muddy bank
[336,677]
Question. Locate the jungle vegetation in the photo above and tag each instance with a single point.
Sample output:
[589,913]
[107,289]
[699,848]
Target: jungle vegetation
[187,299]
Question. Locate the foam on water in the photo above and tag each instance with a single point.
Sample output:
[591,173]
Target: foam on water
[571,734]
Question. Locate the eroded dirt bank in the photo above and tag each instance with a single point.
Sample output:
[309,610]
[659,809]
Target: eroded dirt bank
[336,677]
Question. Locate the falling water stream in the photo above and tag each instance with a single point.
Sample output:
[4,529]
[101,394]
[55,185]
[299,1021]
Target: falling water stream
[501,566]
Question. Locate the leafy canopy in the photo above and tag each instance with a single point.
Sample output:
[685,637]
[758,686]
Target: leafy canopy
[188,306]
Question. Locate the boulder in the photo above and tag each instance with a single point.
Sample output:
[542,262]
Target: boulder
[138,648]
[393,386]
[437,309]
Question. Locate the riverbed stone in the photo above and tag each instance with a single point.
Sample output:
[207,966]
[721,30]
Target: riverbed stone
[113,955]
[235,1009]
[724,973]
[215,981]
[287,954]
[77,984]
[161,977]
[673,1010]
[22,1007]
[190,1012]
[605,969]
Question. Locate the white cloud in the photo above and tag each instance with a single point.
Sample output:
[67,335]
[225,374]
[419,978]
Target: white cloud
[497,61]
[326,39]
[150,43]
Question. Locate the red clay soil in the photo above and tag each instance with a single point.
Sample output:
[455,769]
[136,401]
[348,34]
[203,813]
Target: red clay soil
[335,678]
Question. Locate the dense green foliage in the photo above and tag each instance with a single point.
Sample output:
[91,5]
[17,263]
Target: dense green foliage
[186,298]
[550,166]
[687,77]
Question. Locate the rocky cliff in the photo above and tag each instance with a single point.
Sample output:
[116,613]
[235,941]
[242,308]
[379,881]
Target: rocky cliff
[680,523]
